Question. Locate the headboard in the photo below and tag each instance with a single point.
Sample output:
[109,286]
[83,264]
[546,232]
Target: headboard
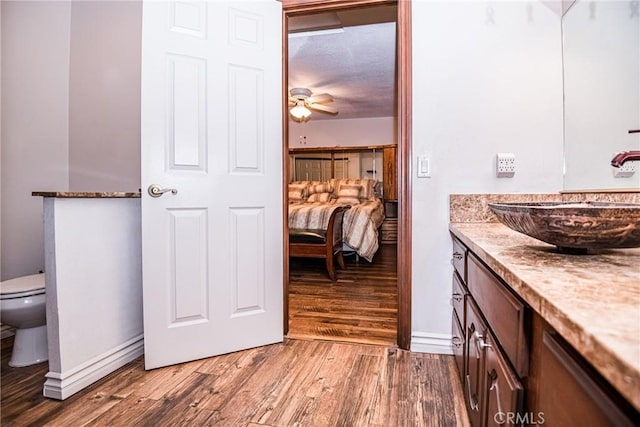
[325,163]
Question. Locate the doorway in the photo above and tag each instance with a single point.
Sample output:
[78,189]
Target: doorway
[402,253]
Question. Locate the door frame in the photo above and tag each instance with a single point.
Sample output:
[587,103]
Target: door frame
[403,35]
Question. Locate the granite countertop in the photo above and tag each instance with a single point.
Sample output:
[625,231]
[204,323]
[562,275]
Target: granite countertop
[87,194]
[592,300]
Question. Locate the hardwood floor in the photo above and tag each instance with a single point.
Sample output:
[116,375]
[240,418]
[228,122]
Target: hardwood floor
[361,306]
[296,383]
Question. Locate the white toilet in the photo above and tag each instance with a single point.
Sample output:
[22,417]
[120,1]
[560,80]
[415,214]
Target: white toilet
[22,305]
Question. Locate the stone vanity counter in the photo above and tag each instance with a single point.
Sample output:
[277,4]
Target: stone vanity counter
[87,194]
[592,300]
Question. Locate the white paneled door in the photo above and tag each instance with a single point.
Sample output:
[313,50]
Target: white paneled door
[212,130]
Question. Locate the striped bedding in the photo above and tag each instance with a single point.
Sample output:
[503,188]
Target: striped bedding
[359,225]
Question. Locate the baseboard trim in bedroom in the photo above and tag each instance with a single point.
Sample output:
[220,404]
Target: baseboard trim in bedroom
[426,342]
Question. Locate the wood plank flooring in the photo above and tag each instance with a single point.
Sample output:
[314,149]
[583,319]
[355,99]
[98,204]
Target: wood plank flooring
[296,383]
[361,306]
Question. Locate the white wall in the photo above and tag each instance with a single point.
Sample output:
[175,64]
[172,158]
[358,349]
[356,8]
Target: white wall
[70,112]
[343,132]
[35,148]
[487,78]
[104,96]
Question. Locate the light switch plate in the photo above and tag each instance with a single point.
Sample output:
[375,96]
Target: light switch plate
[424,167]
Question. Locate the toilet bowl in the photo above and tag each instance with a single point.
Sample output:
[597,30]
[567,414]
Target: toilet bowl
[22,305]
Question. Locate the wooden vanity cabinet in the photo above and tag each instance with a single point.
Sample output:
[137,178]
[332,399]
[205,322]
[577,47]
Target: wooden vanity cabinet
[516,369]
[490,314]
[458,298]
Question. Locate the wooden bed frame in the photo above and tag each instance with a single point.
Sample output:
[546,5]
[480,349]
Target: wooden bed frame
[327,244]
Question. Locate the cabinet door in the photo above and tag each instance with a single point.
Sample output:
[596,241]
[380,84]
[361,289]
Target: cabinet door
[568,395]
[503,391]
[475,331]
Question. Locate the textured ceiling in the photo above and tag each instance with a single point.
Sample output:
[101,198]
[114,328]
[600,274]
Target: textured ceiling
[354,63]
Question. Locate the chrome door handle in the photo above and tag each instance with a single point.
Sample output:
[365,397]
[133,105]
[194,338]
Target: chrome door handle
[155,190]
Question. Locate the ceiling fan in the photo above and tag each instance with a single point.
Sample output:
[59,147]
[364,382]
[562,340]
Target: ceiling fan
[302,102]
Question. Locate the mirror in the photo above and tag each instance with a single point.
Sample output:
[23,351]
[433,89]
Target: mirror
[601,64]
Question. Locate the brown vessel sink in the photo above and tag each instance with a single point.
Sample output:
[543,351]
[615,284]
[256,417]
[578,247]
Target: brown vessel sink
[574,227]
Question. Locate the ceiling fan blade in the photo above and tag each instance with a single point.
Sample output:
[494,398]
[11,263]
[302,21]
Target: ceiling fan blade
[323,108]
[320,98]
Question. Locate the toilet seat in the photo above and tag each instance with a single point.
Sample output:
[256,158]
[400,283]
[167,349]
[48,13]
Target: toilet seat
[21,287]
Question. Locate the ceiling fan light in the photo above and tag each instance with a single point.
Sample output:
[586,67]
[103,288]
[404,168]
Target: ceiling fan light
[300,112]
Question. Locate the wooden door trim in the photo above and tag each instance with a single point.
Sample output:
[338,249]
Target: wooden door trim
[404,174]
[296,7]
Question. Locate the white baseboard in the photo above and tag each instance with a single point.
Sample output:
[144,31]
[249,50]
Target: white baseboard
[60,385]
[423,342]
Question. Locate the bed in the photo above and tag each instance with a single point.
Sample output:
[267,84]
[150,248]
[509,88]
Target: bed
[312,202]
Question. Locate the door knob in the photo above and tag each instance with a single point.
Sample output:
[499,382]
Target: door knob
[155,190]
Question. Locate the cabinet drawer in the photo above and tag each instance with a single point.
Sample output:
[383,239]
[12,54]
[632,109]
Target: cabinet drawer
[457,343]
[457,298]
[459,259]
[503,311]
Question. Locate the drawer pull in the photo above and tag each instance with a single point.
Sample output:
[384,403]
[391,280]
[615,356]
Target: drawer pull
[457,256]
[456,342]
[457,297]
[473,402]
[493,377]
[481,344]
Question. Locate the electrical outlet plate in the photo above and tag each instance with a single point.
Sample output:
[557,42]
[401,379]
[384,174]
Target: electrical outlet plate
[625,171]
[505,165]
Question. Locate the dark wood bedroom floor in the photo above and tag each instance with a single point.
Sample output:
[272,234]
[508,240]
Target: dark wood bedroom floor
[361,306]
[295,383]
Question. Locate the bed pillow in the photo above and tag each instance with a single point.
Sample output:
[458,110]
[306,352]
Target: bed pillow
[349,190]
[368,186]
[323,187]
[319,197]
[347,201]
[297,192]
